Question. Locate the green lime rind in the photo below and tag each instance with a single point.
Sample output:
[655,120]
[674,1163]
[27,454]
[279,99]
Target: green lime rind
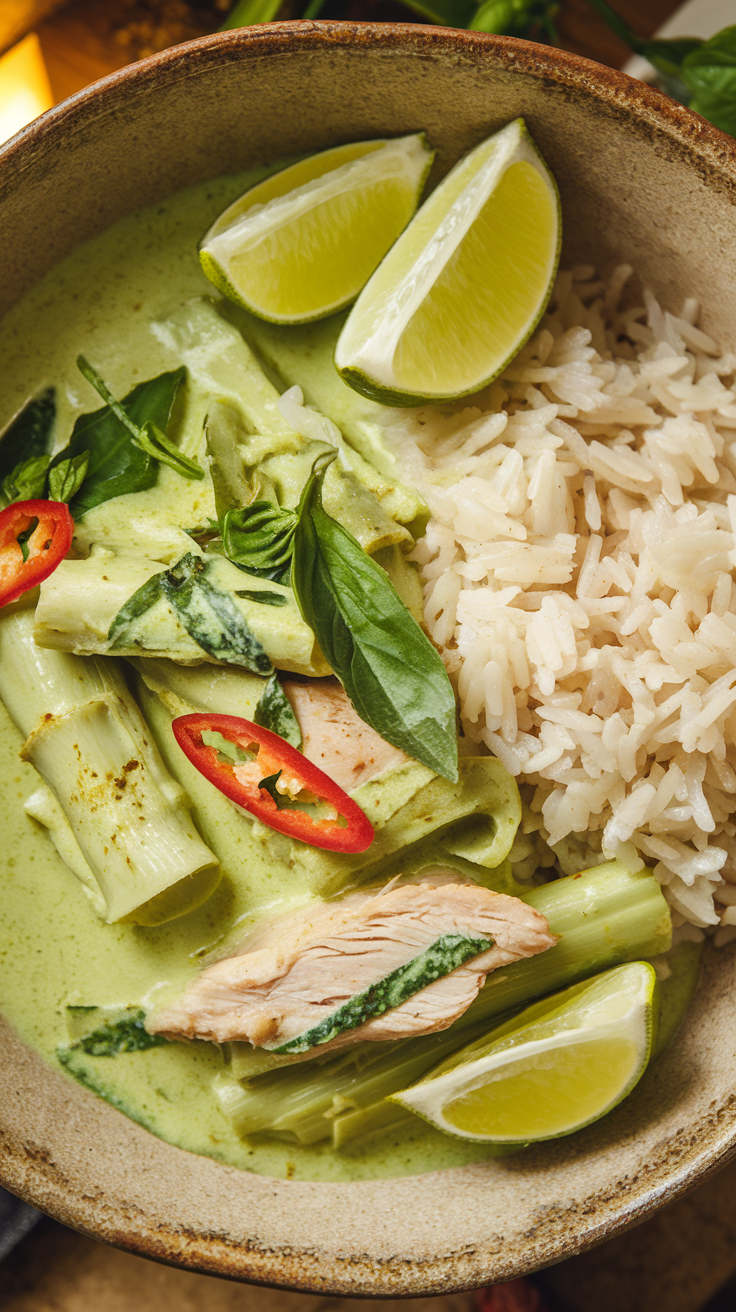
[677,990]
[524,1021]
[214,271]
[376,391]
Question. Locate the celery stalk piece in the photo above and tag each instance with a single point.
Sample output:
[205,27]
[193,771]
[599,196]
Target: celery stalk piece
[80,600]
[303,355]
[89,742]
[603,916]
[222,365]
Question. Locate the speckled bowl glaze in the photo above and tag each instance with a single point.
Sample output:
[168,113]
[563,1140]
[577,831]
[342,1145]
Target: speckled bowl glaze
[642,180]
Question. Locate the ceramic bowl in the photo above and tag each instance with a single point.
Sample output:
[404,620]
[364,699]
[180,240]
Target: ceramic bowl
[642,180]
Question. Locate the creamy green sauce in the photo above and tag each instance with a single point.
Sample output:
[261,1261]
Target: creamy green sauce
[54,951]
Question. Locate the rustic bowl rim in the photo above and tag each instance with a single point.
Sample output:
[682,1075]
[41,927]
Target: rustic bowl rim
[714,155]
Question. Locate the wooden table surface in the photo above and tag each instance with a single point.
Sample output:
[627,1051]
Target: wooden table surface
[89,38]
[674,1262]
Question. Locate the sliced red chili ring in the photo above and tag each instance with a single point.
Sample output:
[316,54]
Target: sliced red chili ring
[34,538]
[274,760]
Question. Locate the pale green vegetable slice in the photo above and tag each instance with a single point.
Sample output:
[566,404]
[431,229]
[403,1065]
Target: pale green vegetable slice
[301,244]
[466,283]
[115,814]
[561,1064]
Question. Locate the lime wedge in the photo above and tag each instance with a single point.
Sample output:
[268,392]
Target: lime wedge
[464,286]
[301,244]
[554,1068]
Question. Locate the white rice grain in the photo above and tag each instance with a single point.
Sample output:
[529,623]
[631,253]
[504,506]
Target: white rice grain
[578,575]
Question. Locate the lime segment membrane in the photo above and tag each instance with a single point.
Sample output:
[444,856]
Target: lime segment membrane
[302,244]
[466,283]
[557,1066]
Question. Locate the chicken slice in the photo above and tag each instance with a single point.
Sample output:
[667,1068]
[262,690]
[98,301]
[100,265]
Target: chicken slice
[293,985]
[334,737]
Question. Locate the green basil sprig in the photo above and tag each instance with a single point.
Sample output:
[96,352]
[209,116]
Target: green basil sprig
[263,598]
[388,667]
[27,481]
[274,711]
[66,478]
[209,615]
[29,435]
[117,465]
[148,437]
[516,18]
[269,784]
[259,538]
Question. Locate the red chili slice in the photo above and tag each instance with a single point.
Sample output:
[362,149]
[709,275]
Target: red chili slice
[27,558]
[274,757]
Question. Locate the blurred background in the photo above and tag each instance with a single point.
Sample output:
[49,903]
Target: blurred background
[684,1258]
[50,49]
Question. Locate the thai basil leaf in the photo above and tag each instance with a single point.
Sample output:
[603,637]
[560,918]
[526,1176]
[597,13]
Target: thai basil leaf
[30,433]
[208,614]
[388,667]
[263,598]
[259,538]
[269,784]
[24,537]
[66,478]
[27,481]
[147,436]
[127,1034]
[709,73]
[136,606]
[211,617]
[274,711]
[116,464]
[439,959]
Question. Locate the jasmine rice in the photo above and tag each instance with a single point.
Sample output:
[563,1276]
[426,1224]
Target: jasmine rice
[578,580]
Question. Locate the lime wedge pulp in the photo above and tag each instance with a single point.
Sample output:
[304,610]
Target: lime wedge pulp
[557,1066]
[301,244]
[466,283]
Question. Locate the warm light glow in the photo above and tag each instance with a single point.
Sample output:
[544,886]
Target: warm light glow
[24,86]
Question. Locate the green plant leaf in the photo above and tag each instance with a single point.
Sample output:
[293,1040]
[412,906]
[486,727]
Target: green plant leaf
[112,1036]
[247,12]
[259,538]
[66,478]
[211,617]
[24,538]
[439,959]
[116,464]
[27,481]
[274,711]
[148,436]
[118,635]
[263,598]
[666,56]
[30,433]
[709,73]
[269,784]
[516,17]
[388,667]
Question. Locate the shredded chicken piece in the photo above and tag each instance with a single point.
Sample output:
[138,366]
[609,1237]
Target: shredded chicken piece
[310,963]
[335,738]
